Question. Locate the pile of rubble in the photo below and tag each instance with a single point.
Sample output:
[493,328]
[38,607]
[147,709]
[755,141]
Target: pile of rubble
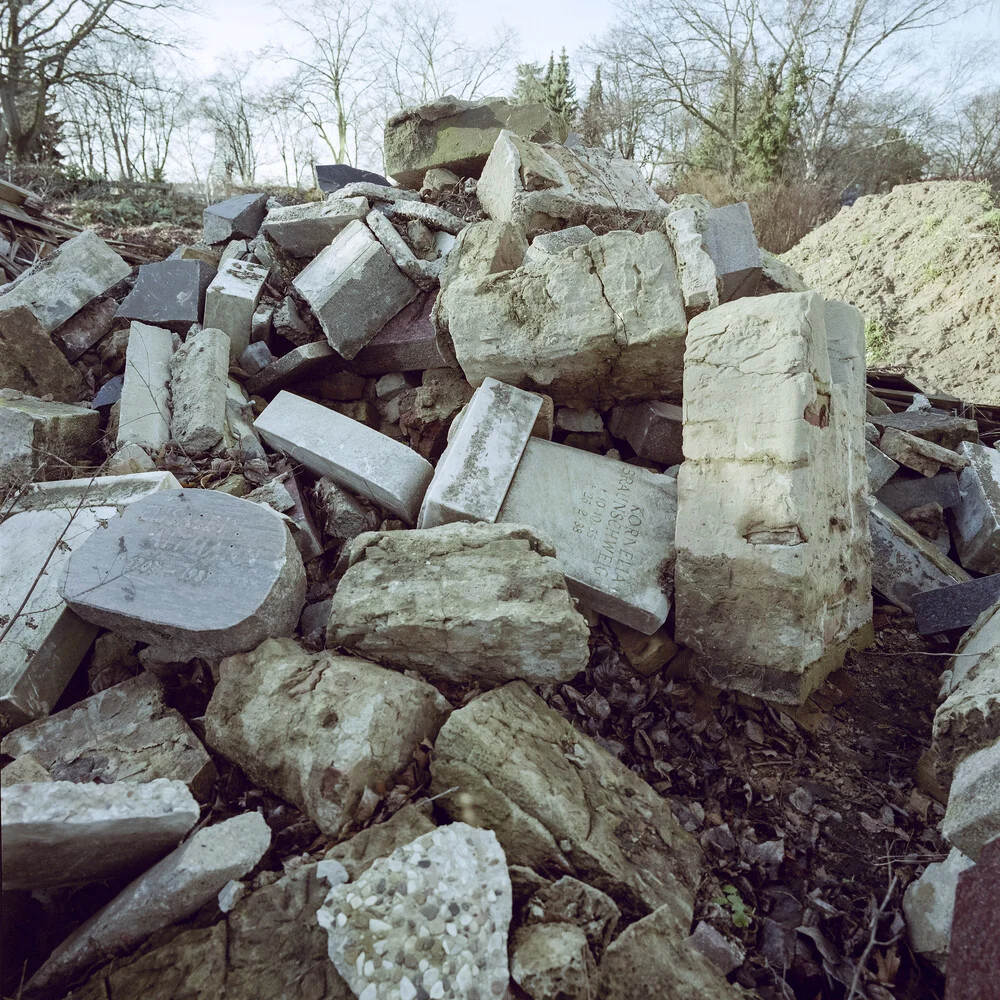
[381,465]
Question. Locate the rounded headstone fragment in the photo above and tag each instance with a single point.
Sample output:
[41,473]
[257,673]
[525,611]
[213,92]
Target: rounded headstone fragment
[196,572]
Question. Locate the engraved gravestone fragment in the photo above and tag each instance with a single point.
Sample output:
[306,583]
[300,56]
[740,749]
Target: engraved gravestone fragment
[194,572]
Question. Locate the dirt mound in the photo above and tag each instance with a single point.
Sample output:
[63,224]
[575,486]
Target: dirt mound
[923,264]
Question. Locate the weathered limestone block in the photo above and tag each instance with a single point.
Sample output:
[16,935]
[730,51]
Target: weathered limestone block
[555,242]
[235,218]
[199,377]
[651,959]
[129,459]
[905,563]
[124,733]
[354,456]
[611,524]
[427,413]
[570,901]
[552,960]
[929,904]
[695,266]
[23,771]
[59,833]
[354,289]
[460,602]
[542,187]
[558,802]
[168,293]
[144,415]
[381,191]
[62,283]
[425,274]
[304,230]
[732,246]
[30,362]
[431,215]
[973,816]
[173,889]
[43,441]
[592,325]
[318,729]
[343,515]
[231,301]
[476,469]
[977,517]
[429,885]
[459,135]
[773,570]
[47,640]
[195,572]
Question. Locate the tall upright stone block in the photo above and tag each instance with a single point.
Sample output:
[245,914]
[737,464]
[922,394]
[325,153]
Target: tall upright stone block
[732,245]
[199,376]
[231,300]
[144,416]
[772,565]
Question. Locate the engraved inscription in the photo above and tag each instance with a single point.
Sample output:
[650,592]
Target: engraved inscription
[610,520]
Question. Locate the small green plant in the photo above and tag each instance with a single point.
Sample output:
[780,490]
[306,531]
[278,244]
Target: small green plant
[931,271]
[731,900]
[931,222]
[866,238]
[990,224]
[876,341]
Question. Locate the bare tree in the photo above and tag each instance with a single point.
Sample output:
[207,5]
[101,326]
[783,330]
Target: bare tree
[235,116]
[43,44]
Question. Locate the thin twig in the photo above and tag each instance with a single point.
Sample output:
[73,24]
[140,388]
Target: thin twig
[872,938]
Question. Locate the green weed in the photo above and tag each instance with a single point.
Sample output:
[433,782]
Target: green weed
[731,900]
[876,341]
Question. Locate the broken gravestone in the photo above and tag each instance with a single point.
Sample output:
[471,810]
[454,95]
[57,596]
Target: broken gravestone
[168,293]
[318,729]
[462,602]
[194,572]
[732,246]
[231,300]
[977,516]
[305,230]
[429,920]
[235,218]
[144,411]
[352,455]
[199,377]
[60,833]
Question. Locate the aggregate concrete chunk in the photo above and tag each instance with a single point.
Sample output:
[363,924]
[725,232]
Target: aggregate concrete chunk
[732,245]
[611,524]
[542,187]
[905,563]
[168,293]
[343,515]
[957,605]
[929,904]
[973,815]
[334,177]
[432,916]
[695,266]
[40,440]
[939,428]
[317,728]
[354,289]
[47,641]
[775,496]
[124,733]
[59,833]
[559,802]
[235,218]
[432,215]
[551,961]
[651,960]
[170,891]
[354,456]
[975,929]
[199,377]
[144,415]
[461,602]
[476,469]
[57,286]
[915,453]
[424,274]
[30,362]
[196,572]
[459,135]
[427,413]
[593,325]
[901,495]
[231,300]
[547,243]
[304,230]
[653,430]
[977,517]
